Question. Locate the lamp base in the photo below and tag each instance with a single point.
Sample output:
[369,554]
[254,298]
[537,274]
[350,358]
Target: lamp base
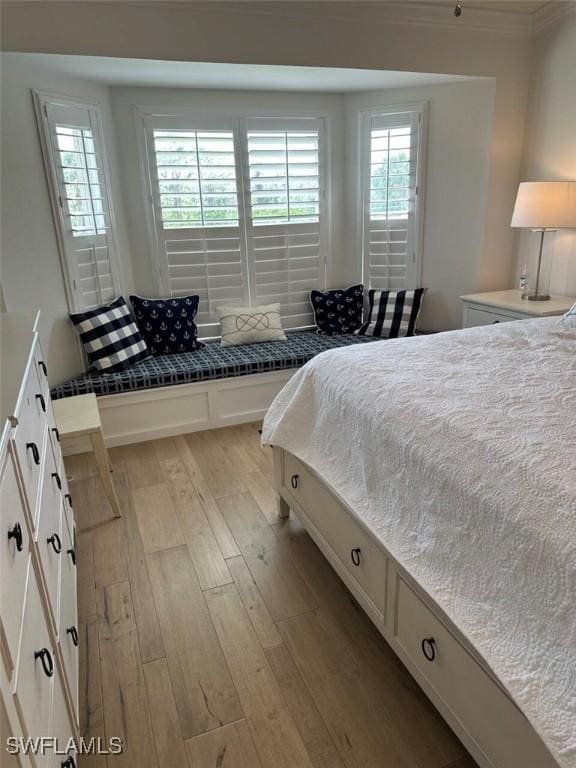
[536,296]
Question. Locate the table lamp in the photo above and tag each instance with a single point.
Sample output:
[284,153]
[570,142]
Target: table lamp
[544,206]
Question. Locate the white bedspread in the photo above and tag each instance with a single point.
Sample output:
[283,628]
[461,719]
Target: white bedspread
[459,451]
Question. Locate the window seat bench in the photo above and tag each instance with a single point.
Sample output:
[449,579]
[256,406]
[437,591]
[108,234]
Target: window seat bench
[215,386]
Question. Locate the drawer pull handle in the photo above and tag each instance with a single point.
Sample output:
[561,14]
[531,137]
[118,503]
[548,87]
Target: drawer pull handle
[46,658]
[68,499]
[68,763]
[72,555]
[56,477]
[42,364]
[35,455]
[355,555]
[54,540]
[42,402]
[295,481]
[428,648]
[56,433]
[73,632]
[16,533]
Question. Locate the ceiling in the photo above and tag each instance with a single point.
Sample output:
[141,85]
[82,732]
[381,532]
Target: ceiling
[186,74]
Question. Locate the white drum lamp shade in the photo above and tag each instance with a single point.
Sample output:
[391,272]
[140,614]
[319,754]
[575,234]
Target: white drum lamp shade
[545,205]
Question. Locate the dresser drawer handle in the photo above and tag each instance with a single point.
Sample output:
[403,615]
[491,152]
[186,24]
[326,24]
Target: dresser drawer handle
[72,555]
[35,455]
[42,402]
[68,763]
[295,481]
[42,364]
[16,533]
[429,648]
[46,658]
[355,555]
[54,540]
[68,499]
[56,434]
[73,632]
[56,477]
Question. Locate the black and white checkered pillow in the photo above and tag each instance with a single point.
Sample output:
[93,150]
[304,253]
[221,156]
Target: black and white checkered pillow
[392,313]
[110,336]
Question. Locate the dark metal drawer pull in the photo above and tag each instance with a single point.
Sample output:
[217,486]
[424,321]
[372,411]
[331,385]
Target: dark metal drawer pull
[294,481]
[54,540]
[68,763]
[56,433]
[428,648]
[46,658]
[73,632]
[68,499]
[35,455]
[42,364]
[42,402]
[355,555]
[16,533]
[72,555]
[56,477]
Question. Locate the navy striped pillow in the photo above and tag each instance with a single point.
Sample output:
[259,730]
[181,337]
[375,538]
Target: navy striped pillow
[392,313]
[110,337]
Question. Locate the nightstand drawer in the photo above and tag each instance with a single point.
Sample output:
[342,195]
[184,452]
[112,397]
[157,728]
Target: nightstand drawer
[474,317]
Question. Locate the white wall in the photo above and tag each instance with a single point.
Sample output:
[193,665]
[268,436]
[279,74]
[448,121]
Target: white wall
[551,145]
[31,274]
[456,187]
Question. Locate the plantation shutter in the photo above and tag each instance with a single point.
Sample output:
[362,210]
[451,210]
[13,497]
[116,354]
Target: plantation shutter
[284,187]
[390,195]
[197,218]
[76,166]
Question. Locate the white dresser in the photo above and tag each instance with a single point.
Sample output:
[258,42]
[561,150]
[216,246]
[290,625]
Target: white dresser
[504,306]
[38,608]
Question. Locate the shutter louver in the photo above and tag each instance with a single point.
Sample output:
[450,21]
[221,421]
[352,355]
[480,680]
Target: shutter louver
[390,202]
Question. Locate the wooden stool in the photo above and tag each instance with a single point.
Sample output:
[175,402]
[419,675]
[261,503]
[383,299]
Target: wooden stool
[79,417]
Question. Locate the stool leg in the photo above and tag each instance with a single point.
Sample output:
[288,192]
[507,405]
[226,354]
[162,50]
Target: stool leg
[103,464]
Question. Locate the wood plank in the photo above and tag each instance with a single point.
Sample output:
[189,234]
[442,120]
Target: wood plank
[261,488]
[282,587]
[257,609]
[170,747]
[91,710]
[220,474]
[226,541]
[109,550]
[124,693]
[312,728]
[91,507]
[142,465]
[275,735]
[241,458]
[210,566]
[157,519]
[228,747]
[86,582]
[360,727]
[203,689]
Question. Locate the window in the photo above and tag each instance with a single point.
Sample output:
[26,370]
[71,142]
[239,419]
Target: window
[238,212]
[390,168]
[75,163]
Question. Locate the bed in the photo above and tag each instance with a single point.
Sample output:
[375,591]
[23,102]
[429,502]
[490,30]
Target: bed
[438,475]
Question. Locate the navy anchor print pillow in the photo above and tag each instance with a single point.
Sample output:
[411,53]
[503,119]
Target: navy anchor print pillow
[338,311]
[167,325]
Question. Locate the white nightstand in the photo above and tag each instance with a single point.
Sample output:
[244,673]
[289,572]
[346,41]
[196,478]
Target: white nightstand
[503,306]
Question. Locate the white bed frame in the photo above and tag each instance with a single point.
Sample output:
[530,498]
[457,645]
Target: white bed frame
[446,666]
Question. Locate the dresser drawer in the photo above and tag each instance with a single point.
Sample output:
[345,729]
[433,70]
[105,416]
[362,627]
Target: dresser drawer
[50,539]
[14,556]
[475,699]
[68,626]
[36,666]
[60,726]
[41,369]
[475,317]
[361,556]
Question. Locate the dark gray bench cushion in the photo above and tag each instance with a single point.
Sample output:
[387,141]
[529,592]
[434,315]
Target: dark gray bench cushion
[213,362]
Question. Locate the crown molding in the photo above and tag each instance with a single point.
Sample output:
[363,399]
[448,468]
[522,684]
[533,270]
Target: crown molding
[551,14]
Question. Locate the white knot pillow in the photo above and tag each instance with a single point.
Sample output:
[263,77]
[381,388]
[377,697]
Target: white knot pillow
[250,325]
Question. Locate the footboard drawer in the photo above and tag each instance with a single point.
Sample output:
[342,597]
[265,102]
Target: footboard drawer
[358,552]
[473,697]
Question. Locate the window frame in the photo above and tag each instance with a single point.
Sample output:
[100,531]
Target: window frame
[72,282]
[365,115]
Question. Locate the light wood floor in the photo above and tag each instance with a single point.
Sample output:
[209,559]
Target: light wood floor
[214,635]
